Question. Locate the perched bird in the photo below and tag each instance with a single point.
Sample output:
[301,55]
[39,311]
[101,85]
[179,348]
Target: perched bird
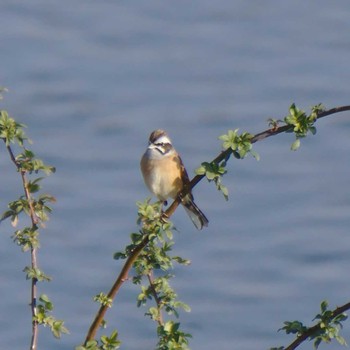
[166,176]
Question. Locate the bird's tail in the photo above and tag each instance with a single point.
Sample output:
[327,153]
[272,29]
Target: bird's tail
[195,214]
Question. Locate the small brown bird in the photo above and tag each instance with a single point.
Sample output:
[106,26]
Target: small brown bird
[165,175]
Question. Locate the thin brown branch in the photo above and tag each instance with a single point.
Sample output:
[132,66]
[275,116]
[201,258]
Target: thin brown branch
[123,276]
[316,328]
[33,304]
[258,137]
[34,264]
[132,258]
[33,216]
[156,297]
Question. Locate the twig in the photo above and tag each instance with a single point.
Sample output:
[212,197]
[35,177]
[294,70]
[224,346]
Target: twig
[314,329]
[258,137]
[123,276]
[34,220]
[132,258]
[156,297]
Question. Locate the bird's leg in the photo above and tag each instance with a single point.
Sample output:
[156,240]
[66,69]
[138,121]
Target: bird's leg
[164,216]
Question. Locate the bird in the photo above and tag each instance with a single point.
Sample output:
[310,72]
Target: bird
[166,177]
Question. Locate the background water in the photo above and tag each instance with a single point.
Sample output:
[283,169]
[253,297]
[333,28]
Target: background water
[91,79]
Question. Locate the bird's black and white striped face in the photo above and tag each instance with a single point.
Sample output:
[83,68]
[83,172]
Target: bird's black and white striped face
[160,141]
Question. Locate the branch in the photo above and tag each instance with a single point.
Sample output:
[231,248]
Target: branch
[258,137]
[156,297]
[123,276]
[133,256]
[316,328]
[34,220]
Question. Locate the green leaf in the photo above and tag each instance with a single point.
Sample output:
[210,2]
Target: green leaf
[295,145]
[37,274]
[200,171]
[120,255]
[33,186]
[317,342]
[181,261]
[313,130]
[111,342]
[46,301]
[180,304]
[10,130]
[255,155]
[341,340]
[324,306]
[224,190]
[27,238]
[90,345]
[58,328]
[27,161]
[154,313]
[294,327]
[239,144]
[229,140]
[103,299]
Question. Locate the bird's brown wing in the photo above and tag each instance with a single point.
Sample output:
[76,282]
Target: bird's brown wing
[185,179]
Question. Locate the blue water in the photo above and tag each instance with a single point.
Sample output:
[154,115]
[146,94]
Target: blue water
[92,79]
